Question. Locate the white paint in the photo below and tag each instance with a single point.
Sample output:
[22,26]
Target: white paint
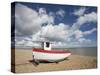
[47,48]
[50,56]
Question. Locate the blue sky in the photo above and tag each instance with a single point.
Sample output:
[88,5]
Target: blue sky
[66,25]
[68,17]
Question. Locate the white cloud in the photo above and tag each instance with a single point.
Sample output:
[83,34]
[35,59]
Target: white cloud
[80,11]
[86,18]
[91,17]
[60,13]
[52,13]
[21,42]
[81,42]
[79,33]
[29,43]
[28,21]
[55,32]
[59,45]
[84,41]
[42,11]
[36,37]
[89,31]
[26,42]
[44,17]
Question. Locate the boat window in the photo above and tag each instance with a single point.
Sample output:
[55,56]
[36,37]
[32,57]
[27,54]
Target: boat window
[47,44]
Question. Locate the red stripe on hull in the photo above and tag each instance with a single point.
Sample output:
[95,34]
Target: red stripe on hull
[51,51]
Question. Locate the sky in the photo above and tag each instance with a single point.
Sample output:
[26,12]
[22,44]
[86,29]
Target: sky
[64,25]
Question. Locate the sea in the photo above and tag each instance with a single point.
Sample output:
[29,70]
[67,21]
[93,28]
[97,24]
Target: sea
[86,51]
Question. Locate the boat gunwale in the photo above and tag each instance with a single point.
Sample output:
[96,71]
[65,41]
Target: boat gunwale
[50,51]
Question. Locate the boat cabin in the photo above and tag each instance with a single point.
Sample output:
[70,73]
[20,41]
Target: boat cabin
[46,45]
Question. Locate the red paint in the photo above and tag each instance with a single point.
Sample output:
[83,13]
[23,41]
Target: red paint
[51,51]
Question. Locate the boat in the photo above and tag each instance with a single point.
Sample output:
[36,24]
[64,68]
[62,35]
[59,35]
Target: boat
[46,54]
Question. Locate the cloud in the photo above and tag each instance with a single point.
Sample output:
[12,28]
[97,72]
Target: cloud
[29,43]
[55,32]
[44,17]
[80,11]
[60,12]
[83,42]
[59,45]
[42,11]
[91,17]
[26,42]
[28,21]
[79,33]
[21,42]
[86,18]
[52,13]
[89,31]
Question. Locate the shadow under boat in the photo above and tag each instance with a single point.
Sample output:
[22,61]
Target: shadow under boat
[36,63]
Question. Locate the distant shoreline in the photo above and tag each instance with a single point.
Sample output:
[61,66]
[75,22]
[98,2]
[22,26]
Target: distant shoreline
[53,48]
[87,51]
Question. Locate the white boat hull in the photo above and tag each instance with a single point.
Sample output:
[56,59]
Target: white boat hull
[51,57]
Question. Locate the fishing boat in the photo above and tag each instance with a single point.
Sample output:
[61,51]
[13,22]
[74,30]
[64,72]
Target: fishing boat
[48,55]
